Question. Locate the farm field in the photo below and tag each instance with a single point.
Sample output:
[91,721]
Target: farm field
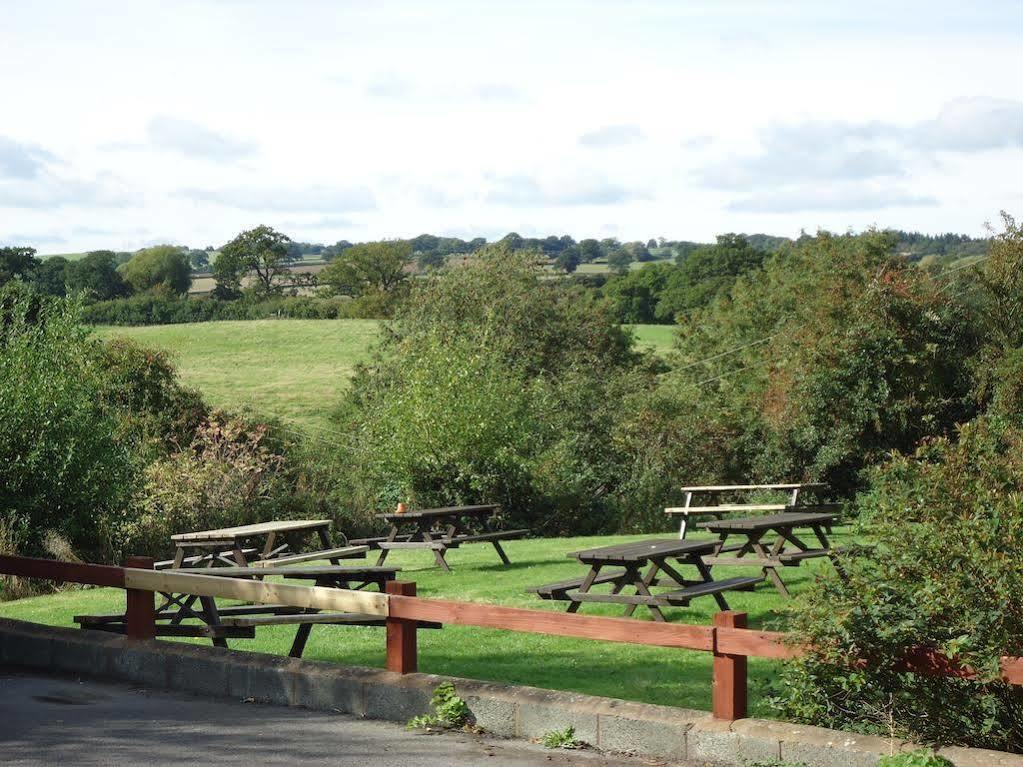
[649,674]
[292,369]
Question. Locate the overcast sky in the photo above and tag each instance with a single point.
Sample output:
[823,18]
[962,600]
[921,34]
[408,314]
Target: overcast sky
[123,124]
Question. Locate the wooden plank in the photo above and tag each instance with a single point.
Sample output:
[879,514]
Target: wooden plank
[319,597]
[259,528]
[63,572]
[741,488]
[402,642]
[726,507]
[310,556]
[435,545]
[769,522]
[558,624]
[758,644]
[730,690]
[444,511]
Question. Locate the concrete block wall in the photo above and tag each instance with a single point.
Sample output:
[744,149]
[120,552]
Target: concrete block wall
[503,710]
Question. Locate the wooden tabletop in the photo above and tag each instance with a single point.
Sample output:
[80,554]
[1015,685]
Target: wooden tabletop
[260,528]
[746,488]
[289,572]
[640,551]
[768,522]
[444,511]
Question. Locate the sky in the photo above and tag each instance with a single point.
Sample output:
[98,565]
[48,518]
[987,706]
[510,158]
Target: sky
[126,124]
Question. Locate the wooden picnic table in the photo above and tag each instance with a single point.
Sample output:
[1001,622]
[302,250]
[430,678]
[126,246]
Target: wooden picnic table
[220,622]
[712,506]
[441,529]
[628,561]
[772,554]
[264,544]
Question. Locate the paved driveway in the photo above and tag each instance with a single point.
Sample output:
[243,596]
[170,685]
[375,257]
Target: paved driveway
[61,721]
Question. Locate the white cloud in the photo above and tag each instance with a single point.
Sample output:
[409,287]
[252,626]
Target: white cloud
[316,199]
[837,197]
[193,140]
[612,136]
[18,160]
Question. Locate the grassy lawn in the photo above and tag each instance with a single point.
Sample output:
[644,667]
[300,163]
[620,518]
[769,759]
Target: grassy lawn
[649,674]
[657,338]
[292,369]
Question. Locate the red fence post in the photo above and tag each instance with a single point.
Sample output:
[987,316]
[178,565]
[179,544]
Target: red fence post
[141,612]
[401,634]
[729,691]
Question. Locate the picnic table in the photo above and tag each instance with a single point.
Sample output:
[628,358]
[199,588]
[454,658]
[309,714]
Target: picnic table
[712,506]
[628,561]
[441,529]
[220,622]
[772,554]
[264,544]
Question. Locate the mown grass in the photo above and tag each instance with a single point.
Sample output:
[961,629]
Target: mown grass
[293,369]
[634,672]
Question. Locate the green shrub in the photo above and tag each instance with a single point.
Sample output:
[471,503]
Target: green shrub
[142,385]
[63,465]
[495,386]
[230,474]
[946,575]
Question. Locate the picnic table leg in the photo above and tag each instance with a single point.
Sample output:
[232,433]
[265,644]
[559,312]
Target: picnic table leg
[584,587]
[641,589]
[301,637]
[708,578]
[325,542]
[438,554]
[239,557]
[500,552]
[209,608]
[390,539]
[179,557]
[271,539]
[685,517]
[769,570]
[835,558]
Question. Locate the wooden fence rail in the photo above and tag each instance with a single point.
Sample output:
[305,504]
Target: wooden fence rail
[728,639]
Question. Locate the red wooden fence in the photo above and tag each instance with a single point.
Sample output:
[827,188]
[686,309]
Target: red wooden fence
[728,639]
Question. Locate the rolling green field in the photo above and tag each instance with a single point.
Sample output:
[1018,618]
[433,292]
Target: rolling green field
[293,369]
[634,672]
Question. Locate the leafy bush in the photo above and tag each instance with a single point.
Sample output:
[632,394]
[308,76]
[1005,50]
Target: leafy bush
[813,368]
[63,465]
[142,385]
[495,386]
[946,575]
[228,475]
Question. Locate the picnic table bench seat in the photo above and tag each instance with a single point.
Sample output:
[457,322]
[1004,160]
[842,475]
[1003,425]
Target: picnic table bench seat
[495,535]
[202,559]
[440,529]
[373,541]
[342,552]
[552,590]
[712,587]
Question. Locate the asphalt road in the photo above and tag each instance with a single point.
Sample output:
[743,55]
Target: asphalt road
[57,720]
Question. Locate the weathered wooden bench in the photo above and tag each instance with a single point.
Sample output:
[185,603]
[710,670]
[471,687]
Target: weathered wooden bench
[561,588]
[333,555]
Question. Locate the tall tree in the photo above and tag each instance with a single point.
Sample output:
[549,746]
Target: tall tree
[162,269]
[262,251]
[96,275]
[17,262]
[367,267]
